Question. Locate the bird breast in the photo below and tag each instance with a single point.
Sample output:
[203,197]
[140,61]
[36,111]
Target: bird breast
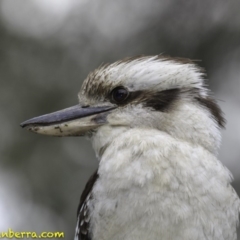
[152,186]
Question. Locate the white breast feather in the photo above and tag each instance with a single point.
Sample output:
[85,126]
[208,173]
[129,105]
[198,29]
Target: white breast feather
[152,186]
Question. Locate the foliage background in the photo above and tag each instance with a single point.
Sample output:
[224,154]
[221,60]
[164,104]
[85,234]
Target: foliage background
[46,50]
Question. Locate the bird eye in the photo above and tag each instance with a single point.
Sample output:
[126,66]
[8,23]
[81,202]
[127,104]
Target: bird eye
[119,94]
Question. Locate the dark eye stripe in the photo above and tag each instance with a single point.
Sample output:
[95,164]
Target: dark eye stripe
[161,101]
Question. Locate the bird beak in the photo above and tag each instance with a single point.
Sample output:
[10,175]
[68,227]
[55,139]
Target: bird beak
[73,121]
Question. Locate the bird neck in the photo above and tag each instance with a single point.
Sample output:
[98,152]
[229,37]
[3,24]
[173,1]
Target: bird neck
[103,138]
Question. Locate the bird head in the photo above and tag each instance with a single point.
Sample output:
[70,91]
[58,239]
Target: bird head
[148,92]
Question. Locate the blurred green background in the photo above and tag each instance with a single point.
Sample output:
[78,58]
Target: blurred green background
[47,48]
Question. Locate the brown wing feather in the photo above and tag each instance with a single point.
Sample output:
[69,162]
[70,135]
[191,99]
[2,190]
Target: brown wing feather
[83,223]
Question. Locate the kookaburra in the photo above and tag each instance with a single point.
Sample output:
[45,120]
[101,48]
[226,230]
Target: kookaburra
[156,133]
